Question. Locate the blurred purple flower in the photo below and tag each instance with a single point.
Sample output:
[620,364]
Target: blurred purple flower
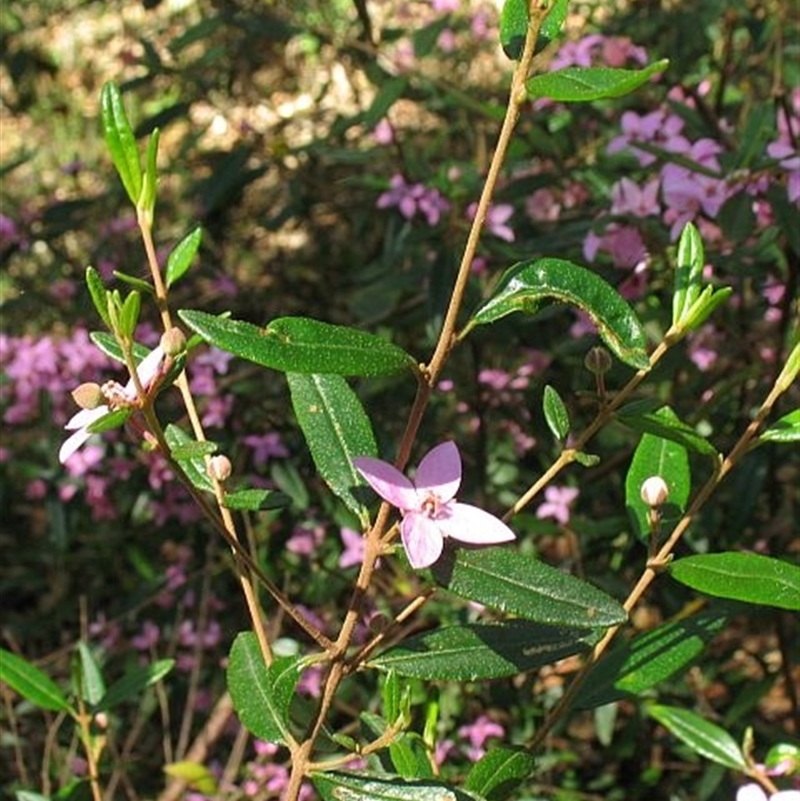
[478,733]
[353,552]
[497,217]
[412,198]
[556,504]
[428,506]
[265,447]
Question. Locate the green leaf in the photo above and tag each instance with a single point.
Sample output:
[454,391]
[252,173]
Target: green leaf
[98,294]
[787,429]
[146,203]
[302,345]
[650,658]
[129,316]
[704,307]
[261,695]
[182,255]
[120,141]
[28,795]
[31,683]
[483,651]
[499,772]
[655,456]
[528,286]
[704,738]
[134,681]
[410,757]
[514,21]
[584,84]
[555,413]
[641,418]
[254,500]
[789,371]
[688,272]
[192,449]
[92,686]
[521,585]
[197,776]
[135,283]
[552,24]
[748,577]
[194,466]
[391,695]
[114,419]
[337,429]
[109,345]
[358,786]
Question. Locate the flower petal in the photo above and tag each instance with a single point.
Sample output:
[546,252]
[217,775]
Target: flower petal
[72,444]
[147,369]
[470,524]
[439,472]
[422,540]
[85,417]
[388,482]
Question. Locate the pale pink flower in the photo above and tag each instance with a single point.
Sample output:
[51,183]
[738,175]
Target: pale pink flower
[428,506]
[148,370]
[557,502]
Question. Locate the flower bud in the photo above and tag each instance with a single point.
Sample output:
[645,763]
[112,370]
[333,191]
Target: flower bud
[88,396]
[173,342]
[219,467]
[598,361]
[654,491]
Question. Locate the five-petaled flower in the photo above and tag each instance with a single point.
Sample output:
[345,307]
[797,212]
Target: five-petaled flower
[430,511]
[117,397]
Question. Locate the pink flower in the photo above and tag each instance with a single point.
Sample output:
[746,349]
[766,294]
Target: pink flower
[430,511]
[753,792]
[148,370]
[353,552]
[557,503]
[497,217]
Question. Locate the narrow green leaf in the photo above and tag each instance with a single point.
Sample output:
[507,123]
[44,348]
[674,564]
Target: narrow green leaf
[254,500]
[391,694]
[708,302]
[530,285]
[134,682]
[499,772]
[704,738]
[483,651]
[650,658]
[132,281]
[92,686]
[146,202]
[197,776]
[688,272]
[98,294]
[31,683]
[120,141]
[789,371]
[584,84]
[410,757]
[337,429]
[129,317]
[656,456]
[552,24]
[302,345]
[555,413]
[358,786]
[787,429]
[521,585]
[192,449]
[748,577]
[666,427]
[261,695]
[107,422]
[109,345]
[194,466]
[182,255]
[514,21]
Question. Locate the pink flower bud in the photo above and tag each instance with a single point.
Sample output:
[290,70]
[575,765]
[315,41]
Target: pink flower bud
[88,395]
[219,467]
[654,491]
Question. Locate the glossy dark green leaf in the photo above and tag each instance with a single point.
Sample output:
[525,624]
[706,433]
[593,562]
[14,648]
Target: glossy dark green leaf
[261,695]
[521,585]
[193,465]
[704,738]
[92,685]
[134,682]
[552,24]
[120,141]
[584,84]
[98,294]
[555,413]
[302,345]
[147,200]
[650,658]
[358,786]
[688,272]
[182,255]
[748,577]
[109,345]
[656,456]
[254,500]
[337,429]
[499,772]
[409,756]
[649,421]
[192,449]
[514,20]
[31,683]
[483,651]
[529,286]
[787,429]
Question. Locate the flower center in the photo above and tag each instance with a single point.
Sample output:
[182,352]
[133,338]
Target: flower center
[430,506]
